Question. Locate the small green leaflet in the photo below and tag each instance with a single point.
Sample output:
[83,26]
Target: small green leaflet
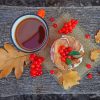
[68,61]
[74,53]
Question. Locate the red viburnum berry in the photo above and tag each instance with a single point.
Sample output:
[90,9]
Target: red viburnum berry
[52,71]
[89,76]
[55,25]
[88,66]
[32,57]
[52,19]
[87,36]
[69,49]
[63,59]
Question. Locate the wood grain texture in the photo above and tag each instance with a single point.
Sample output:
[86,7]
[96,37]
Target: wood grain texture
[89,18]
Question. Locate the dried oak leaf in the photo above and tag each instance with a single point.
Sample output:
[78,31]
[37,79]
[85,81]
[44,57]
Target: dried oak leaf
[11,59]
[97,37]
[95,54]
[67,79]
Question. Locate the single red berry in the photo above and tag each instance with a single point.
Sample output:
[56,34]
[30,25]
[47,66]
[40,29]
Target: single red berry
[39,73]
[66,52]
[63,54]
[38,66]
[60,51]
[37,69]
[55,25]
[88,66]
[69,57]
[33,73]
[65,24]
[70,29]
[60,31]
[62,47]
[66,31]
[32,57]
[52,19]
[87,36]
[63,59]
[89,76]
[32,66]
[69,49]
[36,63]
[69,23]
[63,30]
[76,22]
[73,26]
[72,21]
[52,71]
[36,58]
[40,59]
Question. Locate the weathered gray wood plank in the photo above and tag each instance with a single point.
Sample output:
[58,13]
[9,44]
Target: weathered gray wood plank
[89,18]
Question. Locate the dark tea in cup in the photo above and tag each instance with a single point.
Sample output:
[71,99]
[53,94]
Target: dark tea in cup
[29,33]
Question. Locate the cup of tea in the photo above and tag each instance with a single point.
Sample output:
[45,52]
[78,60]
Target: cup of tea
[29,33]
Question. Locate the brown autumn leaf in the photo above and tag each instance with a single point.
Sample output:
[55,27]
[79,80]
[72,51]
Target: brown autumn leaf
[11,59]
[67,79]
[97,37]
[95,54]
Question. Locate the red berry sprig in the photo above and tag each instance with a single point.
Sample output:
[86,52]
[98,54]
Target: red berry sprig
[64,52]
[68,54]
[36,67]
[68,27]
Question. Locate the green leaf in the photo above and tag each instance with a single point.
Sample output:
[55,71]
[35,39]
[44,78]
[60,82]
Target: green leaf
[68,61]
[74,53]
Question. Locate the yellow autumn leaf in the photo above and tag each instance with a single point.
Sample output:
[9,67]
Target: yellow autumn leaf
[68,78]
[95,54]
[10,59]
[97,37]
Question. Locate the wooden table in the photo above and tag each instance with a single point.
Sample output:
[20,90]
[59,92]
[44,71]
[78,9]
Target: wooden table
[89,18]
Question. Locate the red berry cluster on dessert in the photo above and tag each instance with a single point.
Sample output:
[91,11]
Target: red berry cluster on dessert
[68,27]
[36,67]
[67,52]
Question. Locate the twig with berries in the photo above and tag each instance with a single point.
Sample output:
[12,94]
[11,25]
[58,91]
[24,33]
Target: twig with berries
[68,54]
[68,27]
[36,65]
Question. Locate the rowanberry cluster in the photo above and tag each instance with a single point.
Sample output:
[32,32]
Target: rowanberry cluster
[36,67]
[68,27]
[64,52]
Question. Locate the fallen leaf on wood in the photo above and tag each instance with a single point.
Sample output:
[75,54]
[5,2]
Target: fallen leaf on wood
[97,37]
[11,59]
[95,54]
[41,13]
[67,78]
